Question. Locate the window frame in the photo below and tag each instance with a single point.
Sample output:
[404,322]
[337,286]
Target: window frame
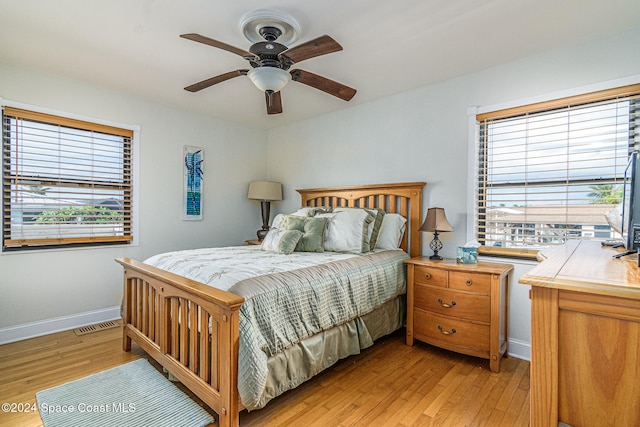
[89,123]
[595,93]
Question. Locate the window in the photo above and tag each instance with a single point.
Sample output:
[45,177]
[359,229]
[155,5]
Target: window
[552,171]
[65,182]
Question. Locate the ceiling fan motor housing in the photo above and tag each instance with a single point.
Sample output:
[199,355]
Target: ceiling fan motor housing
[268,52]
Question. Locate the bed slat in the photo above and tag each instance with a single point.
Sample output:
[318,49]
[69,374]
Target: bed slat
[204,368]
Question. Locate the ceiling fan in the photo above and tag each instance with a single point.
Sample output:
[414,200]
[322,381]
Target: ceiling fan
[270,60]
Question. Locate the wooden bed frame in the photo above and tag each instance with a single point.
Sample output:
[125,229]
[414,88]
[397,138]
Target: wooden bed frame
[204,359]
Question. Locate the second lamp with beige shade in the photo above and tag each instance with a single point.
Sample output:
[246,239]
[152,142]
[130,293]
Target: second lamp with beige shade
[436,222]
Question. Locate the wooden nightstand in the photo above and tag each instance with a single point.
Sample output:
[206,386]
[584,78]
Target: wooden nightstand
[253,242]
[459,307]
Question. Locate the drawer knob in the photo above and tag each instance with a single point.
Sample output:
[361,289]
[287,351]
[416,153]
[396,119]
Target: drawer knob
[427,276]
[468,282]
[443,332]
[444,304]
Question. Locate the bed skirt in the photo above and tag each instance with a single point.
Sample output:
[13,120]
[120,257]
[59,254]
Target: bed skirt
[300,362]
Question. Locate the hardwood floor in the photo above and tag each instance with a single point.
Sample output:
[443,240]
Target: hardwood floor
[389,384]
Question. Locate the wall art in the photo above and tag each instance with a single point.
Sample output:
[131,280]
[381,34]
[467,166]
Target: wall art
[193,159]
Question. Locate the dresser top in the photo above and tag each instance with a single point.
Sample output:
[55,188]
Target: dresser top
[587,266]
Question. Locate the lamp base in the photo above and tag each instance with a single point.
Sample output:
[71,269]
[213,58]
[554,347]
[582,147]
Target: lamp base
[265,206]
[435,246]
[262,234]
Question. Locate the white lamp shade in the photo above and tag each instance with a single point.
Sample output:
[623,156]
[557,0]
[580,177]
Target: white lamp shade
[265,190]
[269,78]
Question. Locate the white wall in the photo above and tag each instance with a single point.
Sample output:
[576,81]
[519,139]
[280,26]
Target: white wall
[71,286]
[422,135]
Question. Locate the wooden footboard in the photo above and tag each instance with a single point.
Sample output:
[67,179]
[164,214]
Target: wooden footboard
[189,328]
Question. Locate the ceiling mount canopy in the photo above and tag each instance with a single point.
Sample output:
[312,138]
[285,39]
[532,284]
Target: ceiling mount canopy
[270,58]
[253,22]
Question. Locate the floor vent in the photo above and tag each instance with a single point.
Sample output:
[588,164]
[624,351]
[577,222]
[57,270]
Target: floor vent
[95,328]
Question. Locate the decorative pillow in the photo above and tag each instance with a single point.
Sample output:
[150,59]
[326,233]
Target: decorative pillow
[347,230]
[312,239]
[312,210]
[391,231]
[281,241]
[303,211]
[320,210]
[277,220]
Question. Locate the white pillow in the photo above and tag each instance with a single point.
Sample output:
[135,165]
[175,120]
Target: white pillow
[347,231]
[281,241]
[391,231]
[374,225]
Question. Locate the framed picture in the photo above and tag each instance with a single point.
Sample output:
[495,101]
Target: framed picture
[193,163]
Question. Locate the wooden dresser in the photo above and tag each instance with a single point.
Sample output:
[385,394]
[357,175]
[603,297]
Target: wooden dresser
[460,307]
[585,337]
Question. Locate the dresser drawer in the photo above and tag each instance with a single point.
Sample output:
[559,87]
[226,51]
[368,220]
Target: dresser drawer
[453,303]
[474,282]
[430,276]
[454,332]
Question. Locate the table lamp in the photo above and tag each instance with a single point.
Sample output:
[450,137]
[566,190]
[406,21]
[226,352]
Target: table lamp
[266,192]
[436,222]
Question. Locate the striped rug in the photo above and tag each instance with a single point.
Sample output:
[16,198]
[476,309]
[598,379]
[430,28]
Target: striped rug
[130,395]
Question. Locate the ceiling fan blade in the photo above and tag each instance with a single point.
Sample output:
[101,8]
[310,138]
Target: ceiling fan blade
[215,80]
[274,102]
[220,45]
[316,47]
[324,84]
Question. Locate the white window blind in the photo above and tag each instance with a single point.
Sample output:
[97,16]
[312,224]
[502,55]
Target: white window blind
[554,171]
[64,181]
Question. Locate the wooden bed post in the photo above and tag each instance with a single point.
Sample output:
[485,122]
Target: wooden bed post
[126,315]
[229,333]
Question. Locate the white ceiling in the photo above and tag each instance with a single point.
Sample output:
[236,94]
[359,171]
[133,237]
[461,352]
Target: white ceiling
[389,46]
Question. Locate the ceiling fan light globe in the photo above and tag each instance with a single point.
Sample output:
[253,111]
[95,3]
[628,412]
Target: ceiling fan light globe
[269,78]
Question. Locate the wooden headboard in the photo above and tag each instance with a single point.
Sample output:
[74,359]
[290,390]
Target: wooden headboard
[404,198]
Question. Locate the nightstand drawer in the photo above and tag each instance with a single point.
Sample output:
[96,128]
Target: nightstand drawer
[430,276]
[453,303]
[474,282]
[452,331]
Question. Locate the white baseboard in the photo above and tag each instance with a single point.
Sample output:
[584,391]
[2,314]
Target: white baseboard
[520,349]
[57,324]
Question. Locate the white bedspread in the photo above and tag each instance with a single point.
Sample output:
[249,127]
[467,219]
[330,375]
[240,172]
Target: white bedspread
[224,267]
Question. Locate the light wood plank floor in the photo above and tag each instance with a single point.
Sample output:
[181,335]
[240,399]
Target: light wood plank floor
[389,384]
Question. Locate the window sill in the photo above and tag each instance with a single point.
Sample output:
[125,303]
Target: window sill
[521,253]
